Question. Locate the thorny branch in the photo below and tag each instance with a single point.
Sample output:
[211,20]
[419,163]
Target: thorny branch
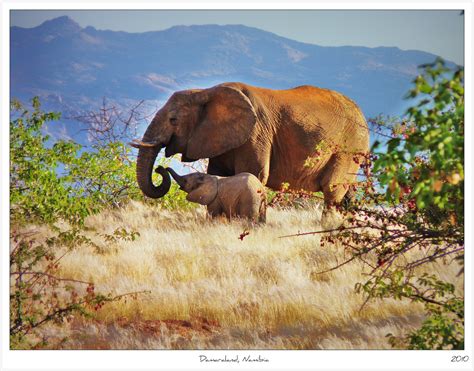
[111,124]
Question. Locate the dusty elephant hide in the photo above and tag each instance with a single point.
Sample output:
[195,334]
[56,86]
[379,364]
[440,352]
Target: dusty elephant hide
[238,196]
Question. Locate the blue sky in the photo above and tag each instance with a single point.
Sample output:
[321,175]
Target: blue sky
[440,32]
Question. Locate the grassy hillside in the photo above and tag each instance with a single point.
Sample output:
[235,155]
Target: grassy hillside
[210,289]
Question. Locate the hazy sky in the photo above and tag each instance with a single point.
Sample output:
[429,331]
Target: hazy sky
[439,32]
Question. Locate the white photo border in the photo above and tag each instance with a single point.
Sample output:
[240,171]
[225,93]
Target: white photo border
[189,359]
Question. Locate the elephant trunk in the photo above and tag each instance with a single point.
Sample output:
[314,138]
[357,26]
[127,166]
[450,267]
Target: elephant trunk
[145,161]
[179,179]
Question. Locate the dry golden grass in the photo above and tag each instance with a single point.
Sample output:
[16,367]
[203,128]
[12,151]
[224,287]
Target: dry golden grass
[210,289]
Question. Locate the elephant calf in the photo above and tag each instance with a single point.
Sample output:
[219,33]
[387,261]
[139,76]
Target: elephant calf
[241,195]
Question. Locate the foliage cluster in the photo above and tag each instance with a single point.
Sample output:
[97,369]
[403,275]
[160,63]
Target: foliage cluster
[58,183]
[52,180]
[413,215]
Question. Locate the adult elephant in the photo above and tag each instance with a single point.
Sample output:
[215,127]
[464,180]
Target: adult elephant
[269,133]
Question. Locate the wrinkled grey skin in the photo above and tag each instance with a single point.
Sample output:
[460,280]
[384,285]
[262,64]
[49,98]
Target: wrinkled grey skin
[241,195]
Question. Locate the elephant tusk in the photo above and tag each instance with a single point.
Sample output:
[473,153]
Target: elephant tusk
[139,144]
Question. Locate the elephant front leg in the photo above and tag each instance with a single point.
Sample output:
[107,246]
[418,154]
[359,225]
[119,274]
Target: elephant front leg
[255,161]
[221,166]
[215,210]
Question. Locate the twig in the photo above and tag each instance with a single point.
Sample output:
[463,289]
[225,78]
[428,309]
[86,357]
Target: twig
[319,232]
[51,276]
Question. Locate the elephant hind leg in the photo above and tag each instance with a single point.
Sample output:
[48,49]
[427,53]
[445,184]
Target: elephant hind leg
[337,176]
[349,197]
[252,208]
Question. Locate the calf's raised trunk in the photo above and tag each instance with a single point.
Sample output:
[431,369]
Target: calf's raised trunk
[179,179]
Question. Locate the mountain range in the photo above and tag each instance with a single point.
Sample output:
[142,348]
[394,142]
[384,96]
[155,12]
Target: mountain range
[72,68]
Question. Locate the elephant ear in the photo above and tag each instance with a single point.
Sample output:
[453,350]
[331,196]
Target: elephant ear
[205,192]
[227,122]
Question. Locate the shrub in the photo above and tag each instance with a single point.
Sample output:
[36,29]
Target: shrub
[413,215]
[52,182]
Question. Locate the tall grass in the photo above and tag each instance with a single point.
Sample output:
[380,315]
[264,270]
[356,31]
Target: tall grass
[211,289]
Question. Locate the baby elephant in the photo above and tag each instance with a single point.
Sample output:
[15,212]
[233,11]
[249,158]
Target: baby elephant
[241,195]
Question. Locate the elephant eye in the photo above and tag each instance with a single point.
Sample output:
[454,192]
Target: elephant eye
[173,120]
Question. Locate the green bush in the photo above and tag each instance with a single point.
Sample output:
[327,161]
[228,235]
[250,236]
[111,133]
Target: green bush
[424,162]
[53,180]
[50,182]
[414,202]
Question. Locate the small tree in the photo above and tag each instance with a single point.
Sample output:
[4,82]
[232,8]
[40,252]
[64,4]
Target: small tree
[108,129]
[422,173]
[413,215]
[53,182]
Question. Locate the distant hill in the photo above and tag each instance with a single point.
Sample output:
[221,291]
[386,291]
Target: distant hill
[72,67]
